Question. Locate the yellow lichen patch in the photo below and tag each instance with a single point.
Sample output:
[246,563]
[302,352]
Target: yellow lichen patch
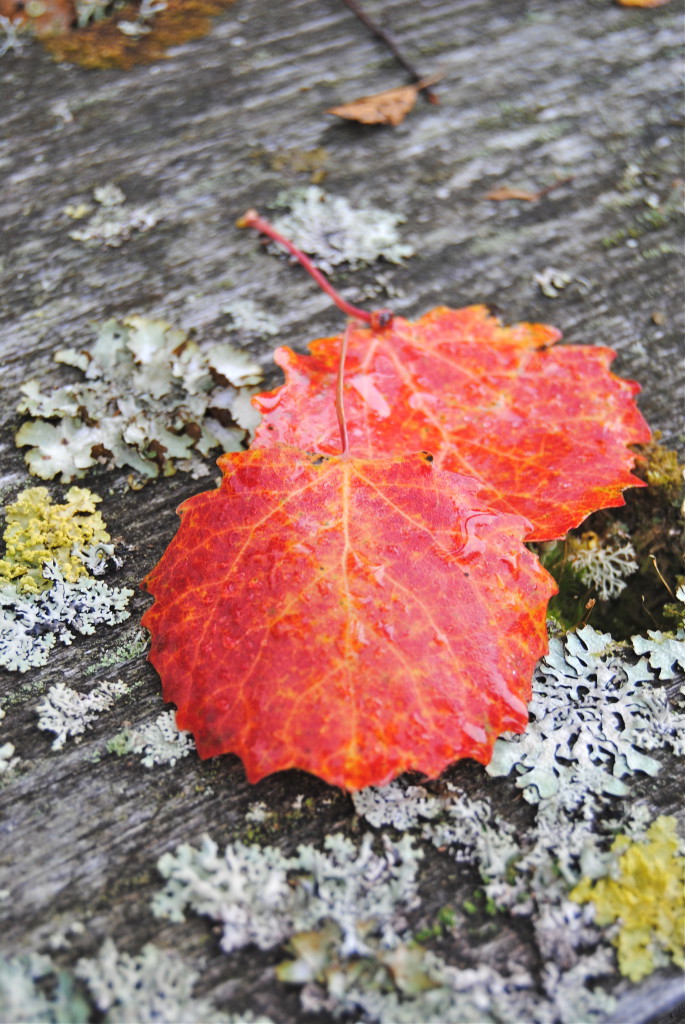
[644,892]
[38,532]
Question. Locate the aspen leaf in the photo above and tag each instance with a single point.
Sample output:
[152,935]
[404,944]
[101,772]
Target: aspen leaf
[544,429]
[354,618]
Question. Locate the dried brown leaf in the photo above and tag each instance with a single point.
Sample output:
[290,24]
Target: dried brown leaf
[504,192]
[388,107]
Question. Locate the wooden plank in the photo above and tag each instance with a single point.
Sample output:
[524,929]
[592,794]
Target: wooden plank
[530,93]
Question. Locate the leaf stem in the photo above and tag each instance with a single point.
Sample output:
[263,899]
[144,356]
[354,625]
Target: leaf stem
[388,41]
[339,399]
[377,319]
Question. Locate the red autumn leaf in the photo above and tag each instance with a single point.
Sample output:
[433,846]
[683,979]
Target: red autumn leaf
[545,430]
[353,618]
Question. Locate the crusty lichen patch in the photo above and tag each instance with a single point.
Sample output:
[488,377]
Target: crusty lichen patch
[113,222]
[114,986]
[334,232]
[596,721]
[38,531]
[66,712]
[603,563]
[643,889]
[160,742]
[47,587]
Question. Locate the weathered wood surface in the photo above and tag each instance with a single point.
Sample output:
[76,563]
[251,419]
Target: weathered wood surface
[531,90]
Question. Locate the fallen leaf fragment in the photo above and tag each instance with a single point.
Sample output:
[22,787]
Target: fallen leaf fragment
[353,618]
[643,3]
[505,192]
[388,107]
[544,429]
[500,194]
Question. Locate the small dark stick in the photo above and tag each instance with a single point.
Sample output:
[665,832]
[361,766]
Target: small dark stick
[377,319]
[387,40]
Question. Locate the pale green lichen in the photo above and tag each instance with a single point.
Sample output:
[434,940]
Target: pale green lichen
[90,10]
[150,987]
[23,1001]
[247,316]
[403,983]
[408,984]
[160,742]
[38,531]
[526,875]
[643,891]
[113,223]
[342,913]
[335,233]
[552,281]
[593,717]
[11,35]
[7,759]
[603,563]
[663,651]
[31,624]
[151,400]
[262,897]
[67,713]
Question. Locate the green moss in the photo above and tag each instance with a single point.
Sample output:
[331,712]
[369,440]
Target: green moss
[653,218]
[663,471]
[569,606]
[657,251]
[480,904]
[444,921]
[644,893]
[447,917]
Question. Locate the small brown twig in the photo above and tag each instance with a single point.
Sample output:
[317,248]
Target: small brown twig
[389,42]
[659,574]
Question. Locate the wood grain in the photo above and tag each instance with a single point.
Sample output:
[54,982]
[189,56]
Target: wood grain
[531,91]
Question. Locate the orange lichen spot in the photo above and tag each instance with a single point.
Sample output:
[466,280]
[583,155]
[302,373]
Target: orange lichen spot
[113,36]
